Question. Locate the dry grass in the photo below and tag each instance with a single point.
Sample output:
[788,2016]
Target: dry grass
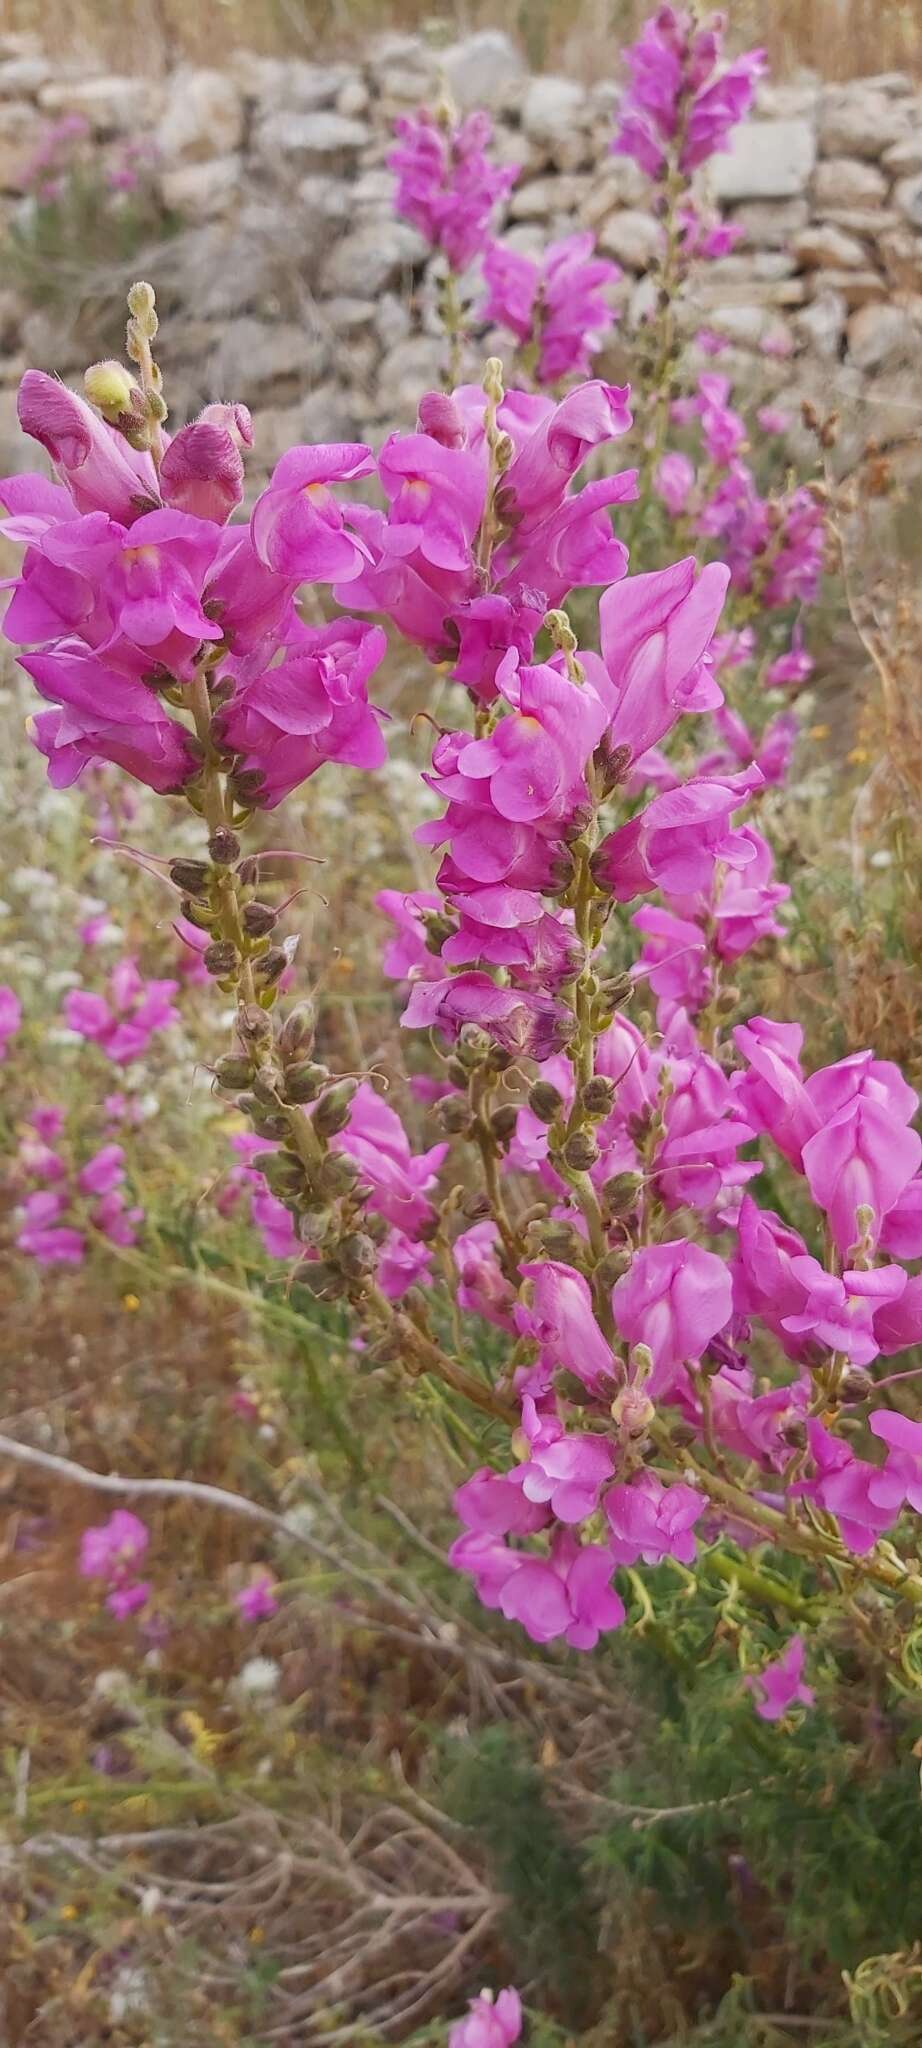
[837,38]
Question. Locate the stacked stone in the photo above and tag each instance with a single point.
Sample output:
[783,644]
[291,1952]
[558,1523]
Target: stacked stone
[291,284]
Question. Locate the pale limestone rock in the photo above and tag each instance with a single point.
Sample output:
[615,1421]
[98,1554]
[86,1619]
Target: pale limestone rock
[373,257]
[841,181]
[203,117]
[200,191]
[823,247]
[481,69]
[766,160]
[634,239]
[881,336]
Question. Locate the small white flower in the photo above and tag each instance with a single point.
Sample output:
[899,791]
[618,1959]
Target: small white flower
[258,1678]
[883,858]
[301,1518]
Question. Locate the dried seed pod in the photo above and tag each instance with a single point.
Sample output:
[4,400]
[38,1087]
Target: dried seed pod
[597,1099]
[546,1101]
[224,846]
[580,1152]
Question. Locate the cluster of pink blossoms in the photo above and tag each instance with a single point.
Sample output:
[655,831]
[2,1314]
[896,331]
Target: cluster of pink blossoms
[683,102]
[10,1017]
[555,306]
[446,185]
[61,1202]
[123,1023]
[490,2022]
[110,1552]
[130,571]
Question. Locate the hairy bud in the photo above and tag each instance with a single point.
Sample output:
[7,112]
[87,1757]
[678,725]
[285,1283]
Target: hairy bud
[332,1111]
[224,846]
[580,1152]
[258,919]
[297,1033]
[545,1101]
[621,1193]
[283,1174]
[189,875]
[503,1121]
[233,1071]
[357,1255]
[338,1176]
[304,1081]
[220,958]
[597,1099]
[454,1115]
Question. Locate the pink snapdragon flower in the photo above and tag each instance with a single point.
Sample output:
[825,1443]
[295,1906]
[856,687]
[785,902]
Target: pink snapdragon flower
[257,1601]
[10,1017]
[309,708]
[101,472]
[483,1289]
[568,1594]
[298,528]
[676,843]
[781,1685]
[560,1316]
[674,1298]
[446,185]
[110,1551]
[400,1179]
[489,2022]
[555,305]
[863,1499]
[424,572]
[123,1023]
[105,716]
[903,1470]
[864,1154]
[651,1521]
[674,481]
[656,631]
[521,1022]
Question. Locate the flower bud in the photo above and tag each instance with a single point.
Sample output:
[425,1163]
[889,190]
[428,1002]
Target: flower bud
[441,419]
[224,846]
[142,307]
[337,1176]
[332,1111]
[454,1115]
[794,1434]
[611,764]
[597,1098]
[555,1238]
[314,1226]
[580,1152]
[504,1120]
[616,990]
[258,919]
[503,452]
[621,1193]
[267,1123]
[272,965]
[492,380]
[189,875]
[475,1207]
[265,1086]
[633,1411]
[232,1071]
[254,1026]
[281,1171]
[113,390]
[456,1073]
[220,958]
[545,1101]
[322,1280]
[641,1362]
[357,1255]
[612,1266]
[304,1081]
[473,1044]
[573,1390]
[856,1384]
[297,1033]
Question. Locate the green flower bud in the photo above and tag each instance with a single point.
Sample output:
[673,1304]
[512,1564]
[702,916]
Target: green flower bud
[332,1111]
[232,1071]
[304,1081]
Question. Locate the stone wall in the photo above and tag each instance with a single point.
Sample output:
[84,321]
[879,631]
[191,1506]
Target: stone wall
[292,286]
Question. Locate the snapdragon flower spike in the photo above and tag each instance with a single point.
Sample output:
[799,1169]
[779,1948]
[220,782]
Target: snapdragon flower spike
[446,185]
[682,103]
[424,569]
[554,306]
